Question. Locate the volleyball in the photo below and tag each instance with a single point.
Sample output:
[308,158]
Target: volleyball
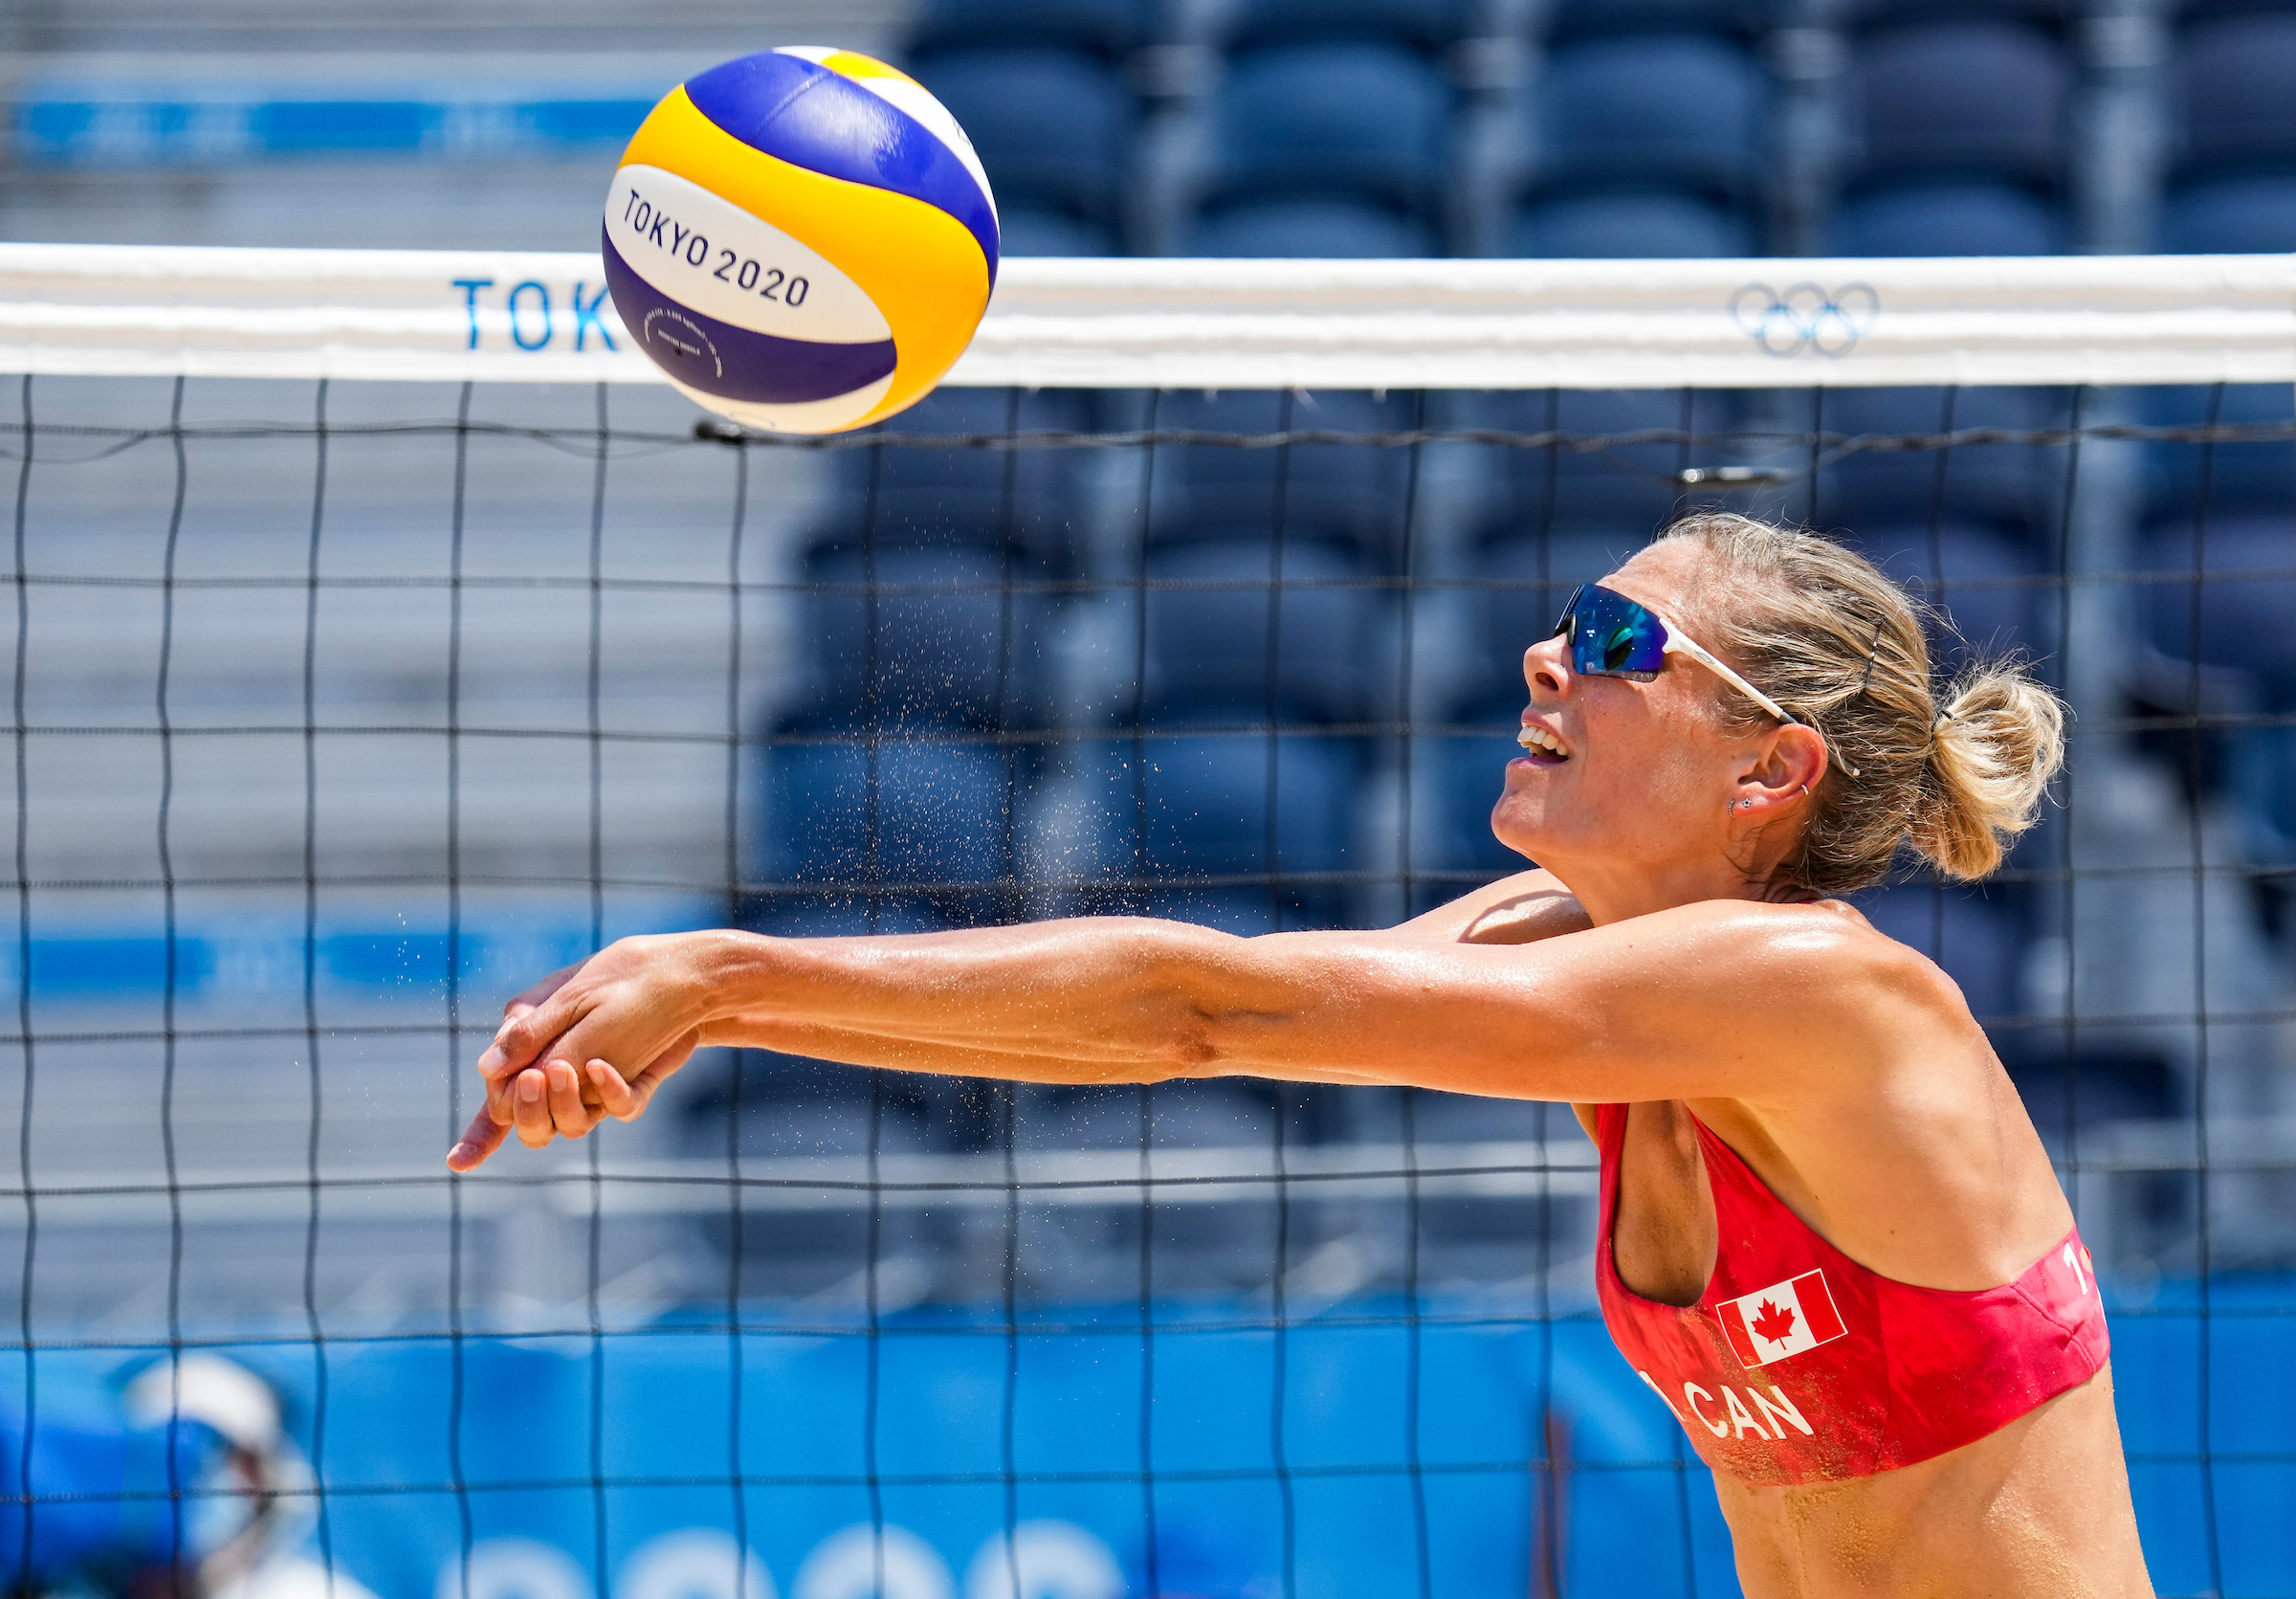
[802,239]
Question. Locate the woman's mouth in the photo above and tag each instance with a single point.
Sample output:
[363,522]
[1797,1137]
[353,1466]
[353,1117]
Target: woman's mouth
[1544,747]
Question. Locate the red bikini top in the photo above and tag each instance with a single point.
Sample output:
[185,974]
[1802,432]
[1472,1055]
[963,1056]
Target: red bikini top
[1798,1364]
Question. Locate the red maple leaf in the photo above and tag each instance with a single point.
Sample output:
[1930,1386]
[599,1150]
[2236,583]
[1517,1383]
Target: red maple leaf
[1776,1323]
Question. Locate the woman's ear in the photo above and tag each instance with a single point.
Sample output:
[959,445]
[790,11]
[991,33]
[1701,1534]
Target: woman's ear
[1785,771]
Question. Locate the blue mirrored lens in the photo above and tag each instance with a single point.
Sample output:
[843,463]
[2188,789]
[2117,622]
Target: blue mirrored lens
[1611,635]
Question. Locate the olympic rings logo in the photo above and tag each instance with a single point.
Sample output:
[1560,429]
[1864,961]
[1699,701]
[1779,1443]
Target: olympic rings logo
[1805,318]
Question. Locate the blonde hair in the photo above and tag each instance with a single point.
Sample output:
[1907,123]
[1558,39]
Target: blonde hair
[1955,773]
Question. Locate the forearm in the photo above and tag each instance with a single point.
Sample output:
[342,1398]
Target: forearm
[852,1048]
[1112,995]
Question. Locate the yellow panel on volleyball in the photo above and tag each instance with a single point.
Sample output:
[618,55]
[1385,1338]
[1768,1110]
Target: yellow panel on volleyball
[902,253]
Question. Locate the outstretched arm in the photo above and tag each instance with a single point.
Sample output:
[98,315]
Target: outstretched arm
[1723,999]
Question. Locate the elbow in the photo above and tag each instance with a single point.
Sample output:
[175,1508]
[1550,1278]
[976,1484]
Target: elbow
[1182,1001]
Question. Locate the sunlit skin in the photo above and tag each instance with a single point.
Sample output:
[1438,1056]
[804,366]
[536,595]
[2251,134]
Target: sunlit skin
[1657,960]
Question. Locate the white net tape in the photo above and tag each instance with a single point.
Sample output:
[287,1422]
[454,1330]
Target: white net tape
[534,316]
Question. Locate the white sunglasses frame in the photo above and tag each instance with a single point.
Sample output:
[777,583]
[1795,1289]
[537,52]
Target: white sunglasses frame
[1679,645]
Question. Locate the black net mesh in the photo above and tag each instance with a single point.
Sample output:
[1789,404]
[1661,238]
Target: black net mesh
[341,713]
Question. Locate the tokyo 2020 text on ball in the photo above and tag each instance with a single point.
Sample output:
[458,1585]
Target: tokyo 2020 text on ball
[803,239]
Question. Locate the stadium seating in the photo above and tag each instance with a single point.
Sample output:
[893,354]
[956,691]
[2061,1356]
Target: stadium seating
[1208,644]
[1050,126]
[1675,112]
[1455,780]
[1522,576]
[845,813]
[1979,578]
[2228,624]
[1299,121]
[1630,226]
[2254,214]
[1948,219]
[1627,488]
[1355,495]
[2231,83]
[1106,27]
[1424,24]
[1977,935]
[1033,231]
[2013,487]
[2233,149]
[2181,479]
[1646,146]
[926,496]
[1336,229]
[1580,18]
[932,648]
[1209,812]
[1970,96]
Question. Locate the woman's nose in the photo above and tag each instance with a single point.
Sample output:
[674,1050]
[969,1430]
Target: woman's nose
[1546,665]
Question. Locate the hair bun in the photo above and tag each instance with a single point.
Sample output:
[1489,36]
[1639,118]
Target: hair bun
[1993,751]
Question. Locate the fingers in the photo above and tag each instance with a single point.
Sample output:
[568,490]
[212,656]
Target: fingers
[527,1028]
[479,1140]
[572,1118]
[623,1099]
[530,1108]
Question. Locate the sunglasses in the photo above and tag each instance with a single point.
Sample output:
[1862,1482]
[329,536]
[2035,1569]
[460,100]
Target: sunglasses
[1613,637]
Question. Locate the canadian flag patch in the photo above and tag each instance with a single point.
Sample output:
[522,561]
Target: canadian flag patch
[1782,1320]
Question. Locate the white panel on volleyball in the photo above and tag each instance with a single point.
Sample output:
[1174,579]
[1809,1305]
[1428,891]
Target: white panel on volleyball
[711,255]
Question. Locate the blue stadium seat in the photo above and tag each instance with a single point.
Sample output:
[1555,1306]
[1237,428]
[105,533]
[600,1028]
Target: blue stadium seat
[2006,486]
[1974,97]
[939,828]
[1980,577]
[920,496]
[1948,220]
[1682,112]
[1108,27]
[1422,23]
[1584,19]
[1357,120]
[1341,229]
[1526,574]
[2244,621]
[1626,488]
[2234,478]
[2251,214]
[1207,814]
[1979,937]
[1455,781]
[939,653]
[1051,126]
[2247,655]
[1355,494]
[2232,77]
[1208,646]
[1633,226]
[1034,230]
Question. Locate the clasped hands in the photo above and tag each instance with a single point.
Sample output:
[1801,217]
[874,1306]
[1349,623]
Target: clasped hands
[588,1042]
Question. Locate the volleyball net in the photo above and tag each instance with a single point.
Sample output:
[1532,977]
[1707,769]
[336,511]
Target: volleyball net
[383,637]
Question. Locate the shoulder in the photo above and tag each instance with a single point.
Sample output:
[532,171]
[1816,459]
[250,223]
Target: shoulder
[1824,953]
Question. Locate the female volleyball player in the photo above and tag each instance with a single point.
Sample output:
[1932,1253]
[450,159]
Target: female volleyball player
[1832,1242]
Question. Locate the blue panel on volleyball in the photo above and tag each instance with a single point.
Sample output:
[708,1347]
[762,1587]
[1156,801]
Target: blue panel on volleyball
[795,110]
